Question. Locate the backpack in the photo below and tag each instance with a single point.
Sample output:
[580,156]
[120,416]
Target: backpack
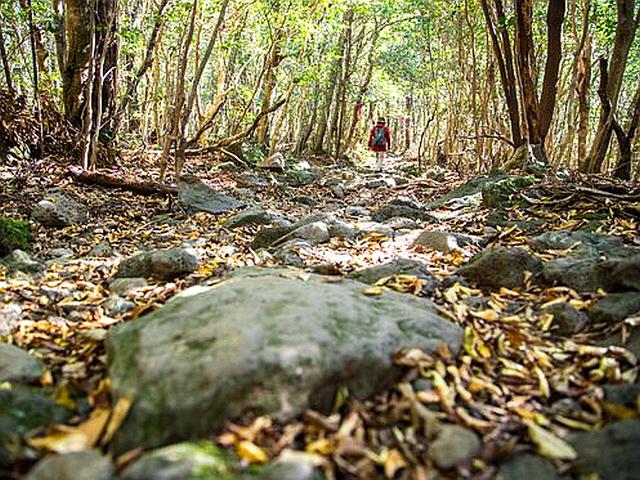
[379,138]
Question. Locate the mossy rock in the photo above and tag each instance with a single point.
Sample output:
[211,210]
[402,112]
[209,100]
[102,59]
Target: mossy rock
[499,194]
[470,188]
[14,235]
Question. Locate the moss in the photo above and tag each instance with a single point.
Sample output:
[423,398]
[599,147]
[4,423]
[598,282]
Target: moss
[470,188]
[14,234]
[498,194]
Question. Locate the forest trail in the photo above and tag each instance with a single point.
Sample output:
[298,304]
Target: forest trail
[522,359]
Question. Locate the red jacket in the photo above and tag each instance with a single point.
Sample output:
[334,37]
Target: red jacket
[387,137]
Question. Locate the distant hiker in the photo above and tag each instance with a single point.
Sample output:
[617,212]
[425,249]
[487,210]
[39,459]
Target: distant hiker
[380,141]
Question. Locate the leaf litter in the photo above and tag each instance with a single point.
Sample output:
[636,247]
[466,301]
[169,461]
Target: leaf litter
[509,383]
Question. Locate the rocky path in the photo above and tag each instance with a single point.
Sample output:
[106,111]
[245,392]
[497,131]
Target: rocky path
[321,322]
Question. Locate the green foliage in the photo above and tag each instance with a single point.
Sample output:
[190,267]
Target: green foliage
[14,234]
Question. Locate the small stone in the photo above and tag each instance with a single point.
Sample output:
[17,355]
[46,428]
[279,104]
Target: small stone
[178,462]
[83,465]
[385,182]
[102,250]
[116,305]
[526,466]
[400,223]
[338,191]
[305,200]
[611,453]
[19,261]
[62,253]
[94,335]
[615,307]
[453,445]
[197,196]
[160,264]
[16,365]
[501,267]
[314,233]
[274,162]
[567,318]
[9,316]
[436,240]
[399,266]
[124,286]
[58,210]
[255,216]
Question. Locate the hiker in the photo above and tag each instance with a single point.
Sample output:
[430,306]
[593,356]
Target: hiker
[380,141]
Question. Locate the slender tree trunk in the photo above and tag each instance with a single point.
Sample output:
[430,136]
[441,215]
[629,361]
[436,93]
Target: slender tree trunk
[5,62]
[625,32]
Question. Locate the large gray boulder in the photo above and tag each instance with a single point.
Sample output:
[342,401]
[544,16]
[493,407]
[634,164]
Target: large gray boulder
[160,264]
[16,365]
[264,342]
[615,307]
[197,196]
[501,267]
[58,210]
[611,453]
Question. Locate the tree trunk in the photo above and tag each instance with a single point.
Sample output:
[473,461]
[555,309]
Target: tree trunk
[625,31]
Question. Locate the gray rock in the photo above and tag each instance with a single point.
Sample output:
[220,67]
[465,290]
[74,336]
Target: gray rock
[437,240]
[255,216]
[124,286]
[287,471]
[19,261]
[16,365]
[160,264]
[501,267]
[314,233]
[384,182]
[357,212]
[27,409]
[300,178]
[62,253]
[404,201]
[615,307]
[83,465]
[612,452]
[9,316]
[526,466]
[251,180]
[399,266]
[587,274]
[365,228]
[116,305]
[264,342]
[390,211]
[58,210]
[274,162]
[197,196]
[289,253]
[178,462]
[453,445]
[583,242]
[622,393]
[102,250]
[400,223]
[338,191]
[305,200]
[270,236]
[567,319]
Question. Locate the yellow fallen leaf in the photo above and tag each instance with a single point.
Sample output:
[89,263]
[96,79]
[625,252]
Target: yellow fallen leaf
[489,315]
[548,444]
[394,462]
[93,427]
[373,291]
[323,446]
[62,440]
[252,453]
[120,411]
